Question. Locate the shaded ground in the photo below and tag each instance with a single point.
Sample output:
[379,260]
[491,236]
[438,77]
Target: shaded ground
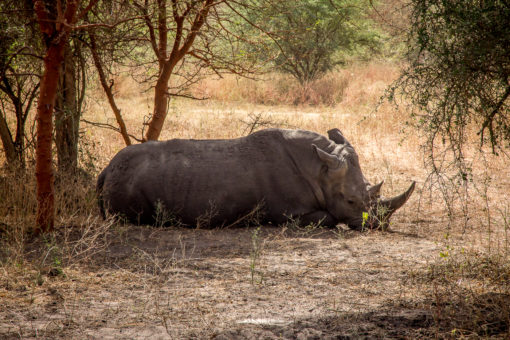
[224,284]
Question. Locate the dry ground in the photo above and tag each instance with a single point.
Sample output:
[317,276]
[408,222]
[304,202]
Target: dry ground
[435,274]
[183,283]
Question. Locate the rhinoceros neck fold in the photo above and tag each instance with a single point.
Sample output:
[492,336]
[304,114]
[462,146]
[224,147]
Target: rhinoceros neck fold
[317,192]
[301,161]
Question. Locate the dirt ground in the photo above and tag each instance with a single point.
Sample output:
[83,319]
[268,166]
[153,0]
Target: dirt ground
[237,283]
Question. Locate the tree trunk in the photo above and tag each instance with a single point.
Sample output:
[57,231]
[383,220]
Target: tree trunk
[161,98]
[14,148]
[19,141]
[7,142]
[55,34]
[43,160]
[67,115]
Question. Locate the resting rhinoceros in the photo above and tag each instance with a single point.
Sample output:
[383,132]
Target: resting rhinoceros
[289,173]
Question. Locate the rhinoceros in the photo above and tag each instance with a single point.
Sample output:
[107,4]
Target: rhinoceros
[287,174]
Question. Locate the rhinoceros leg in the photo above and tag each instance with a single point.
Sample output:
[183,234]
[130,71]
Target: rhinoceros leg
[322,217]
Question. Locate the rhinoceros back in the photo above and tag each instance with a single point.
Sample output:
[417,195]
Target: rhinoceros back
[216,180]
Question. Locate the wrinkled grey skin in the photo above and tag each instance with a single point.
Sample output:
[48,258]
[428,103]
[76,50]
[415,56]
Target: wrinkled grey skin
[292,173]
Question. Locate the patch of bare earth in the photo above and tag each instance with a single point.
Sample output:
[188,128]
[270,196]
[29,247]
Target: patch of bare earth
[226,284]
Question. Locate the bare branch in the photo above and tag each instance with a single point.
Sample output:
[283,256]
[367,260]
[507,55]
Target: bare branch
[188,96]
[108,90]
[110,127]
[490,118]
[148,22]
[197,24]
[162,30]
[103,25]
[84,12]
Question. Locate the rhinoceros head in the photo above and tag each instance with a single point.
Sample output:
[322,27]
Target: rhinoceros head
[347,194]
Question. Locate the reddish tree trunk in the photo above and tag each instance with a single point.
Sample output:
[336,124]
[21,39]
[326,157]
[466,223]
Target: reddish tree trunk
[55,32]
[43,157]
[168,63]
[161,98]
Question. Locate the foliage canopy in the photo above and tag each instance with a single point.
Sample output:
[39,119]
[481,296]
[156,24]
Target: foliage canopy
[459,69]
[310,37]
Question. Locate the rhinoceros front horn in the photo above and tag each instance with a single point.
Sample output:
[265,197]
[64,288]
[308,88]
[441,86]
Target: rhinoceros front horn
[390,205]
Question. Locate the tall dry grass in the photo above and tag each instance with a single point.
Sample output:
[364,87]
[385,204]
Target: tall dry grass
[274,89]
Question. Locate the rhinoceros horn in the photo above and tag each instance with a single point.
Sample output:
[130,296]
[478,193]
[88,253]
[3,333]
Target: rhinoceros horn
[390,205]
[373,190]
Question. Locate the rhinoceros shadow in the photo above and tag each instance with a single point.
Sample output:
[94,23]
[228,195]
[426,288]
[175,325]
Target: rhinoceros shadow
[129,246]
[182,243]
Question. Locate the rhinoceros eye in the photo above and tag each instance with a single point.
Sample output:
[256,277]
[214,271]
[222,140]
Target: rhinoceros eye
[350,202]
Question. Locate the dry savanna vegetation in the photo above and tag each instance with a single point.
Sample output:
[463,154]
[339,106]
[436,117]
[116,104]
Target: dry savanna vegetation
[442,269]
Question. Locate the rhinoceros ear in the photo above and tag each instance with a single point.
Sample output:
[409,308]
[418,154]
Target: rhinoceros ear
[336,136]
[332,161]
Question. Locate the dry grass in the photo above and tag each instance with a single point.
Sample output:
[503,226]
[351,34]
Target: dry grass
[439,273]
[275,89]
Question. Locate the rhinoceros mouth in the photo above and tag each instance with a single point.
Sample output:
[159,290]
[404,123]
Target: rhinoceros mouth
[365,223]
[356,224]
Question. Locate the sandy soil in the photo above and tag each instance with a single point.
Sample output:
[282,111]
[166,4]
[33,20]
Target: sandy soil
[249,283]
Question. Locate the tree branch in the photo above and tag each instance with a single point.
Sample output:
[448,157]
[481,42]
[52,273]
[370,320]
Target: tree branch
[110,127]
[162,30]
[148,22]
[84,12]
[188,96]
[195,28]
[490,118]
[108,90]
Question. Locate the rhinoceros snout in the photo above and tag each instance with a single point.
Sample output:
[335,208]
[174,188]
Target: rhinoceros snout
[379,213]
[366,223]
